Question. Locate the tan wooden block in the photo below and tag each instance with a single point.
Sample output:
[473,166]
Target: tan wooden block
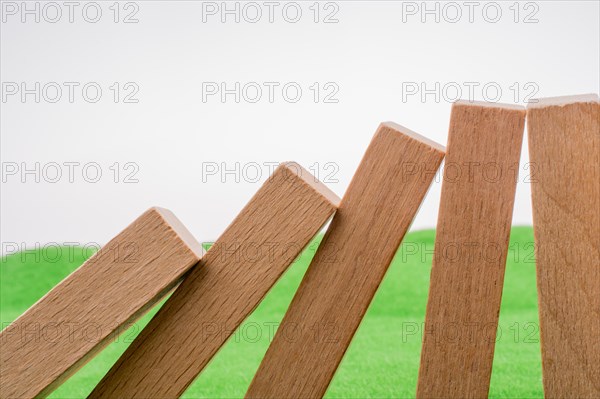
[231,280]
[564,149]
[78,317]
[350,263]
[467,275]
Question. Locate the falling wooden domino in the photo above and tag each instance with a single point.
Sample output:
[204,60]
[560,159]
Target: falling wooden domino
[564,148]
[478,190]
[81,315]
[350,263]
[230,281]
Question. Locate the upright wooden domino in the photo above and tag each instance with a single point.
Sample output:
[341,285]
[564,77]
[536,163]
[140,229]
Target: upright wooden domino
[348,267]
[564,150]
[478,190]
[78,317]
[230,281]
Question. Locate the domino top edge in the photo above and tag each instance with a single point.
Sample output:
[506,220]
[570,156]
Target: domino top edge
[562,101]
[485,104]
[413,135]
[307,177]
[182,232]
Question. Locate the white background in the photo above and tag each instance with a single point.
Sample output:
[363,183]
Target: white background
[373,54]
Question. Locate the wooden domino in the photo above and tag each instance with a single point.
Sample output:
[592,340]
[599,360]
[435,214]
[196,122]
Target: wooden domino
[564,150]
[348,267]
[228,284]
[81,315]
[471,245]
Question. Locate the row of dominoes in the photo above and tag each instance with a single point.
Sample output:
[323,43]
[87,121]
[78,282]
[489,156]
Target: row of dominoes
[156,255]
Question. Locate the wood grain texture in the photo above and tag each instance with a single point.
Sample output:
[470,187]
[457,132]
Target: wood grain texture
[564,148]
[78,317]
[228,284]
[348,267]
[478,190]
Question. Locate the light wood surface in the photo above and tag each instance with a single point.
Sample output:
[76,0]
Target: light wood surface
[564,148]
[478,189]
[81,315]
[229,282]
[350,263]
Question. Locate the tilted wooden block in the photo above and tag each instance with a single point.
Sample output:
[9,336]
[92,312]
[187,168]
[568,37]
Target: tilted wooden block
[564,149]
[78,317]
[350,263]
[230,281]
[478,190]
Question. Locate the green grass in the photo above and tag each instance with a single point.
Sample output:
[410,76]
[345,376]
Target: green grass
[382,361]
